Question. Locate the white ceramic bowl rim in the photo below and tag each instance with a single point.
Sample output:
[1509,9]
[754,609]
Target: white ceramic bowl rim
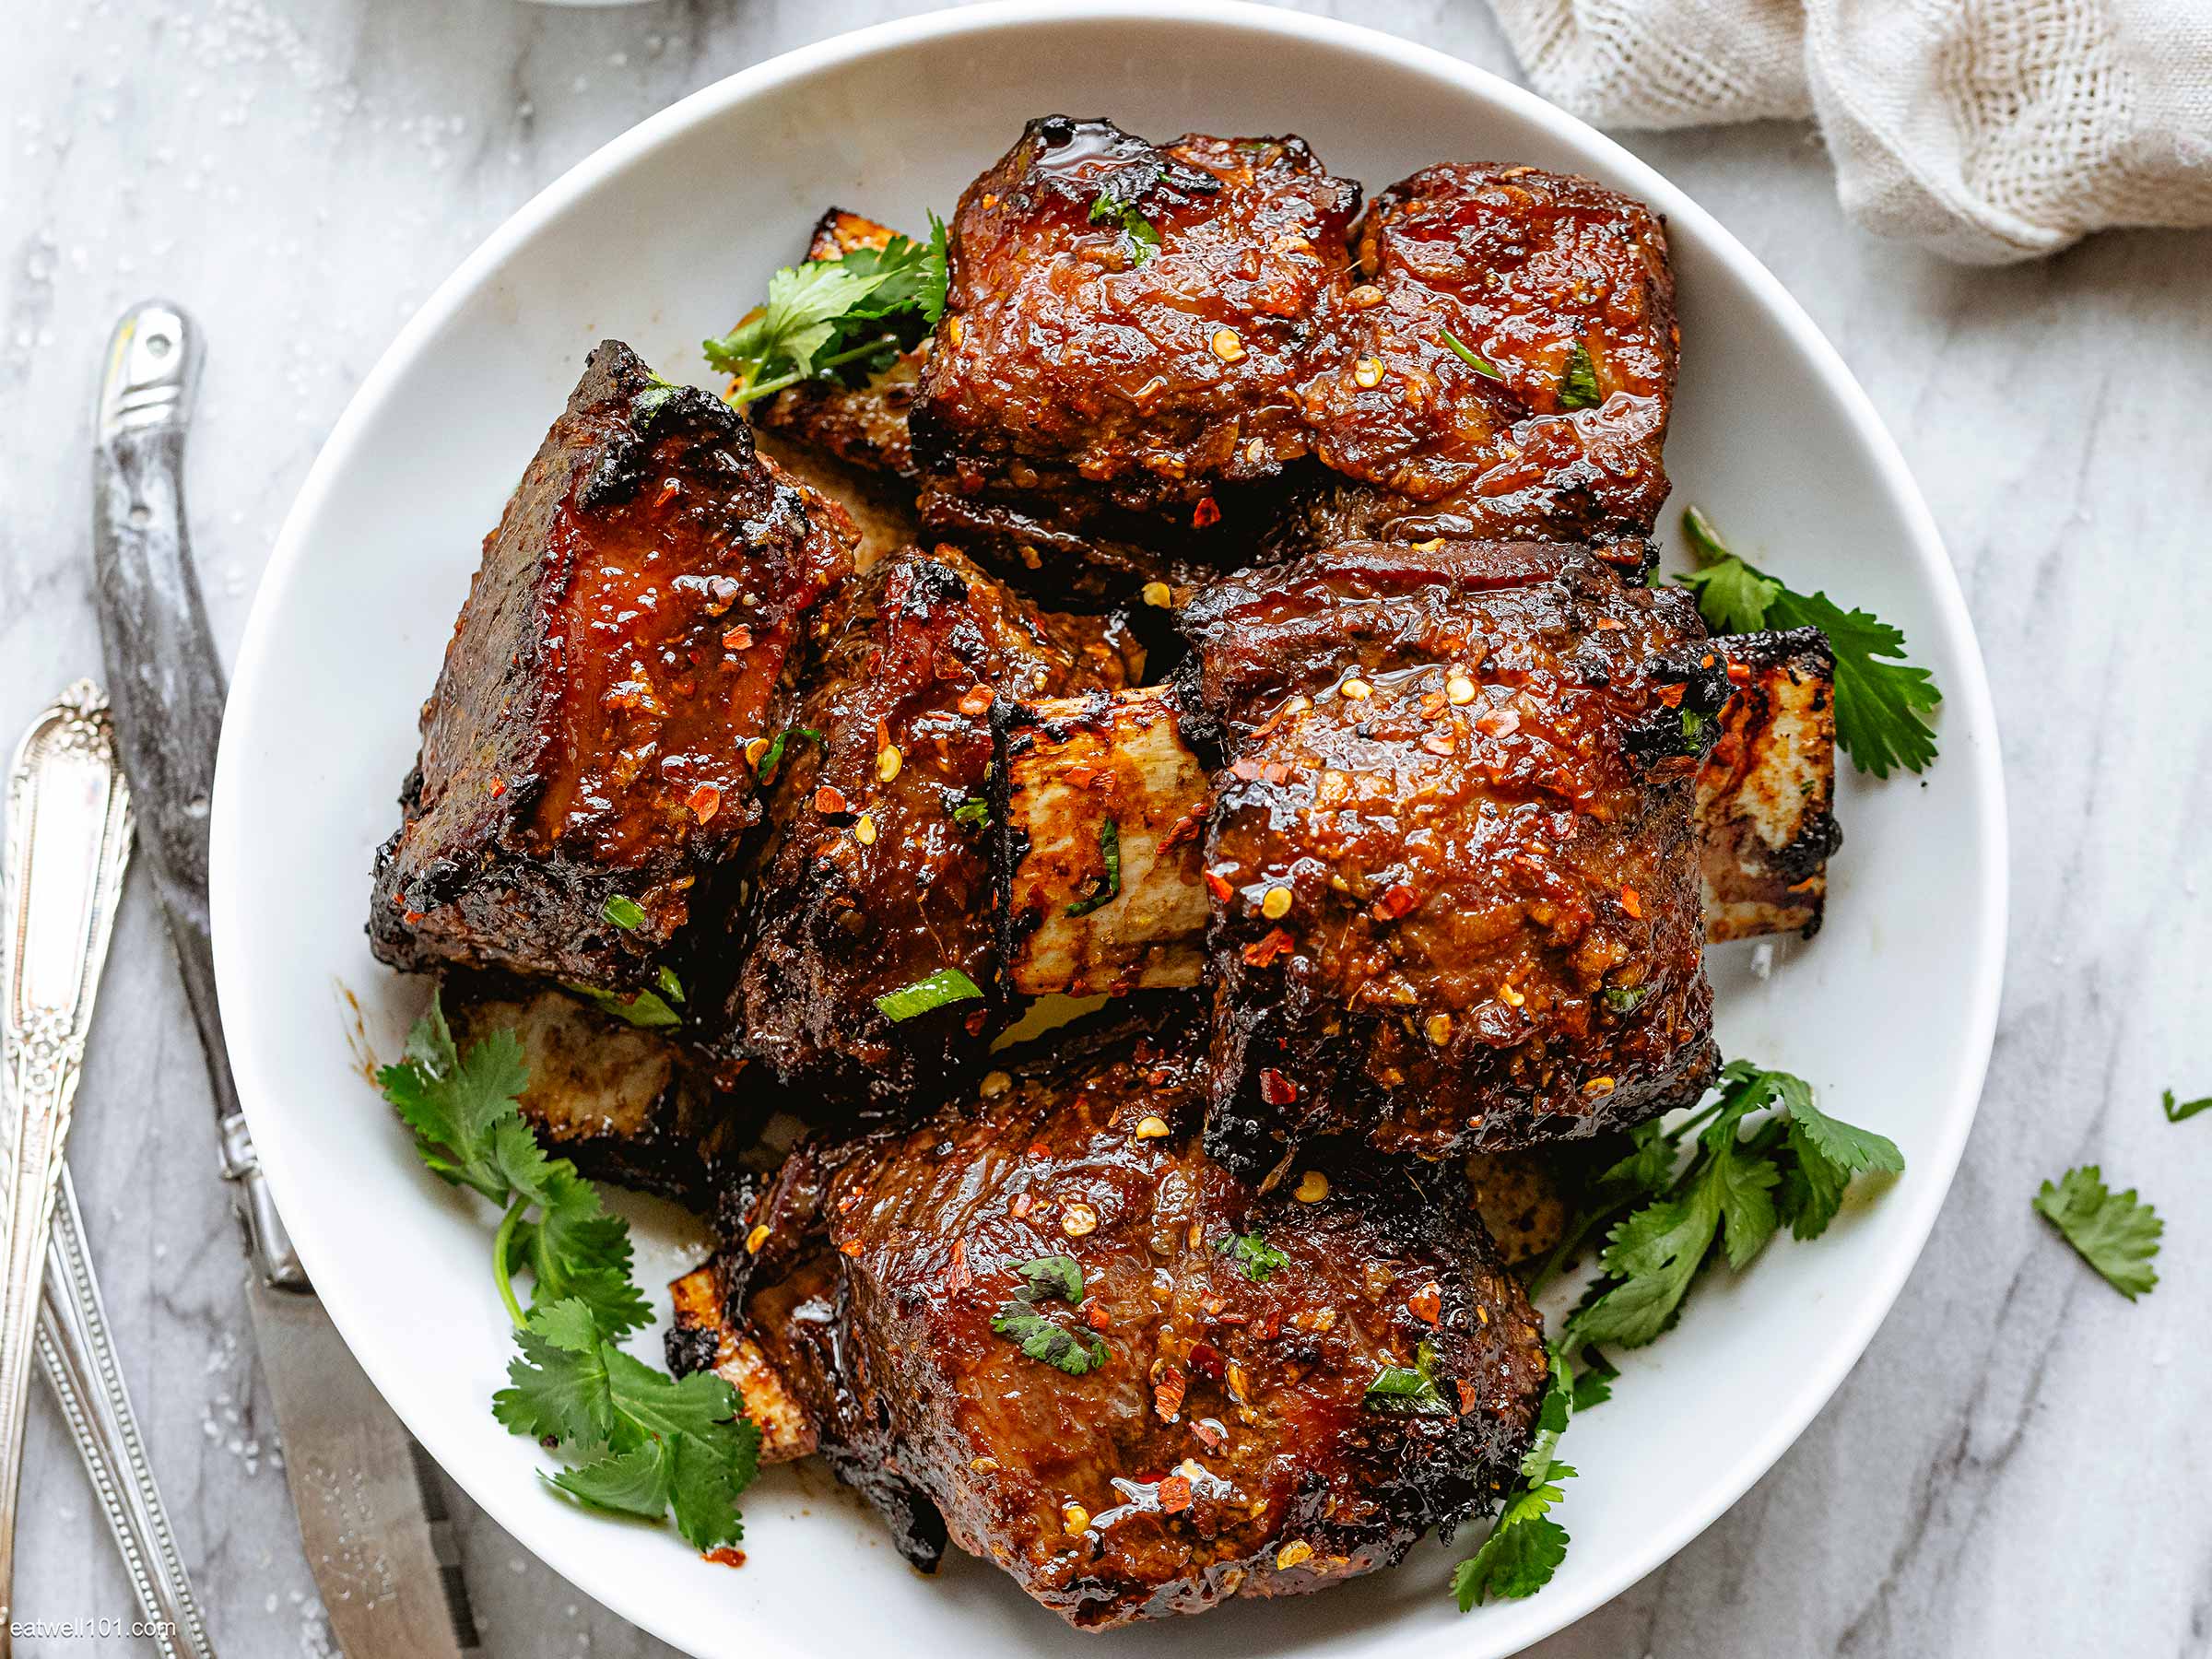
[1910,1210]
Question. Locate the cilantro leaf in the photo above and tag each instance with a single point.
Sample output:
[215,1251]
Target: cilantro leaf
[2186,1109]
[1074,1351]
[457,1103]
[1653,1254]
[1144,237]
[1047,1277]
[852,314]
[1881,699]
[1594,1385]
[1253,1254]
[1578,383]
[1523,1549]
[1742,1190]
[1850,1148]
[648,1010]
[2114,1232]
[575,1250]
[1408,1389]
[681,1440]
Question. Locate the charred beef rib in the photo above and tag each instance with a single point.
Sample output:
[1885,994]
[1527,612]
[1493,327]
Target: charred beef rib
[1044,1324]
[1498,363]
[875,872]
[632,626]
[1114,384]
[1449,865]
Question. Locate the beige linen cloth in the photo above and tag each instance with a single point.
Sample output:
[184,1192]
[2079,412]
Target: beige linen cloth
[1985,130]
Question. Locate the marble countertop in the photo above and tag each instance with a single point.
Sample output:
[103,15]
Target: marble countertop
[301,173]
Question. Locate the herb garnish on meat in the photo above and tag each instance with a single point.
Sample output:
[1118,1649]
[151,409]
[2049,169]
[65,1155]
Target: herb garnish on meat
[854,314]
[1880,698]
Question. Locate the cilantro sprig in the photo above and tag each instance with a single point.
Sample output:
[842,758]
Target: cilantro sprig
[1253,1256]
[635,1440]
[856,314]
[2116,1233]
[1143,236]
[1666,1219]
[1071,1349]
[1881,699]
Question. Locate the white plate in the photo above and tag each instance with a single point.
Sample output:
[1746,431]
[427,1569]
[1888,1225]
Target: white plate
[664,236]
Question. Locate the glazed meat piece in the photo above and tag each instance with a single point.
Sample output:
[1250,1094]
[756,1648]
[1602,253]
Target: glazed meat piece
[862,422]
[1069,767]
[1043,1324]
[1498,364]
[873,875]
[1766,822]
[1452,849]
[626,1103]
[1123,344]
[632,626]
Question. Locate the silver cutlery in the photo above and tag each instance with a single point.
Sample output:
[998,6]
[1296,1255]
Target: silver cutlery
[68,843]
[78,1358]
[371,1512]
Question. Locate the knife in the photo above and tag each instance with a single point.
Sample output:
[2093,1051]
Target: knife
[68,843]
[379,1540]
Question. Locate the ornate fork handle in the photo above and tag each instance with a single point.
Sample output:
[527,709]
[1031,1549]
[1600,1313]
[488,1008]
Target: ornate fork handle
[68,842]
[78,1358]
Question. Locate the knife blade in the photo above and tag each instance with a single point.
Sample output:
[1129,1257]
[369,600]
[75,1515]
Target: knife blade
[378,1538]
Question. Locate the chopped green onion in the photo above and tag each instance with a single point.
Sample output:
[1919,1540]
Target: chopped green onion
[931,991]
[624,912]
[645,1010]
[971,812]
[1473,360]
[1578,387]
[1110,845]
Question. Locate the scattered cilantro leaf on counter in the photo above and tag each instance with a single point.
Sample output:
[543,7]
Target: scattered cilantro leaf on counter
[854,314]
[1253,1254]
[1413,1388]
[2114,1232]
[1578,383]
[636,1440]
[2186,1109]
[1881,699]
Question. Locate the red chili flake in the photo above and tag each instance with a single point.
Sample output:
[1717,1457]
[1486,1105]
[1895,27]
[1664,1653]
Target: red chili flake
[1268,949]
[1078,776]
[1206,513]
[1426,1304]
[1219,887]
[1021,1205]
[1205,1359]
[1440,743]
[1211,1435]
[959,1278]
[1247,769]
[1166,1393]
[1397,899]
[1432,704]
[829,801]
[667,490]
[737,639]
[1671,696]
[1175,1494]
[1497,722]
[1276,1088]
[1275,771]
[1186,827]
[1466,1395]
[851,1247]
[412,916]
[1095,1317]
[499,788]
[977,701]
[976,1021]
[1632,903]
[724,1557]
[1157,1076]
[705,802]
[1739,674]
